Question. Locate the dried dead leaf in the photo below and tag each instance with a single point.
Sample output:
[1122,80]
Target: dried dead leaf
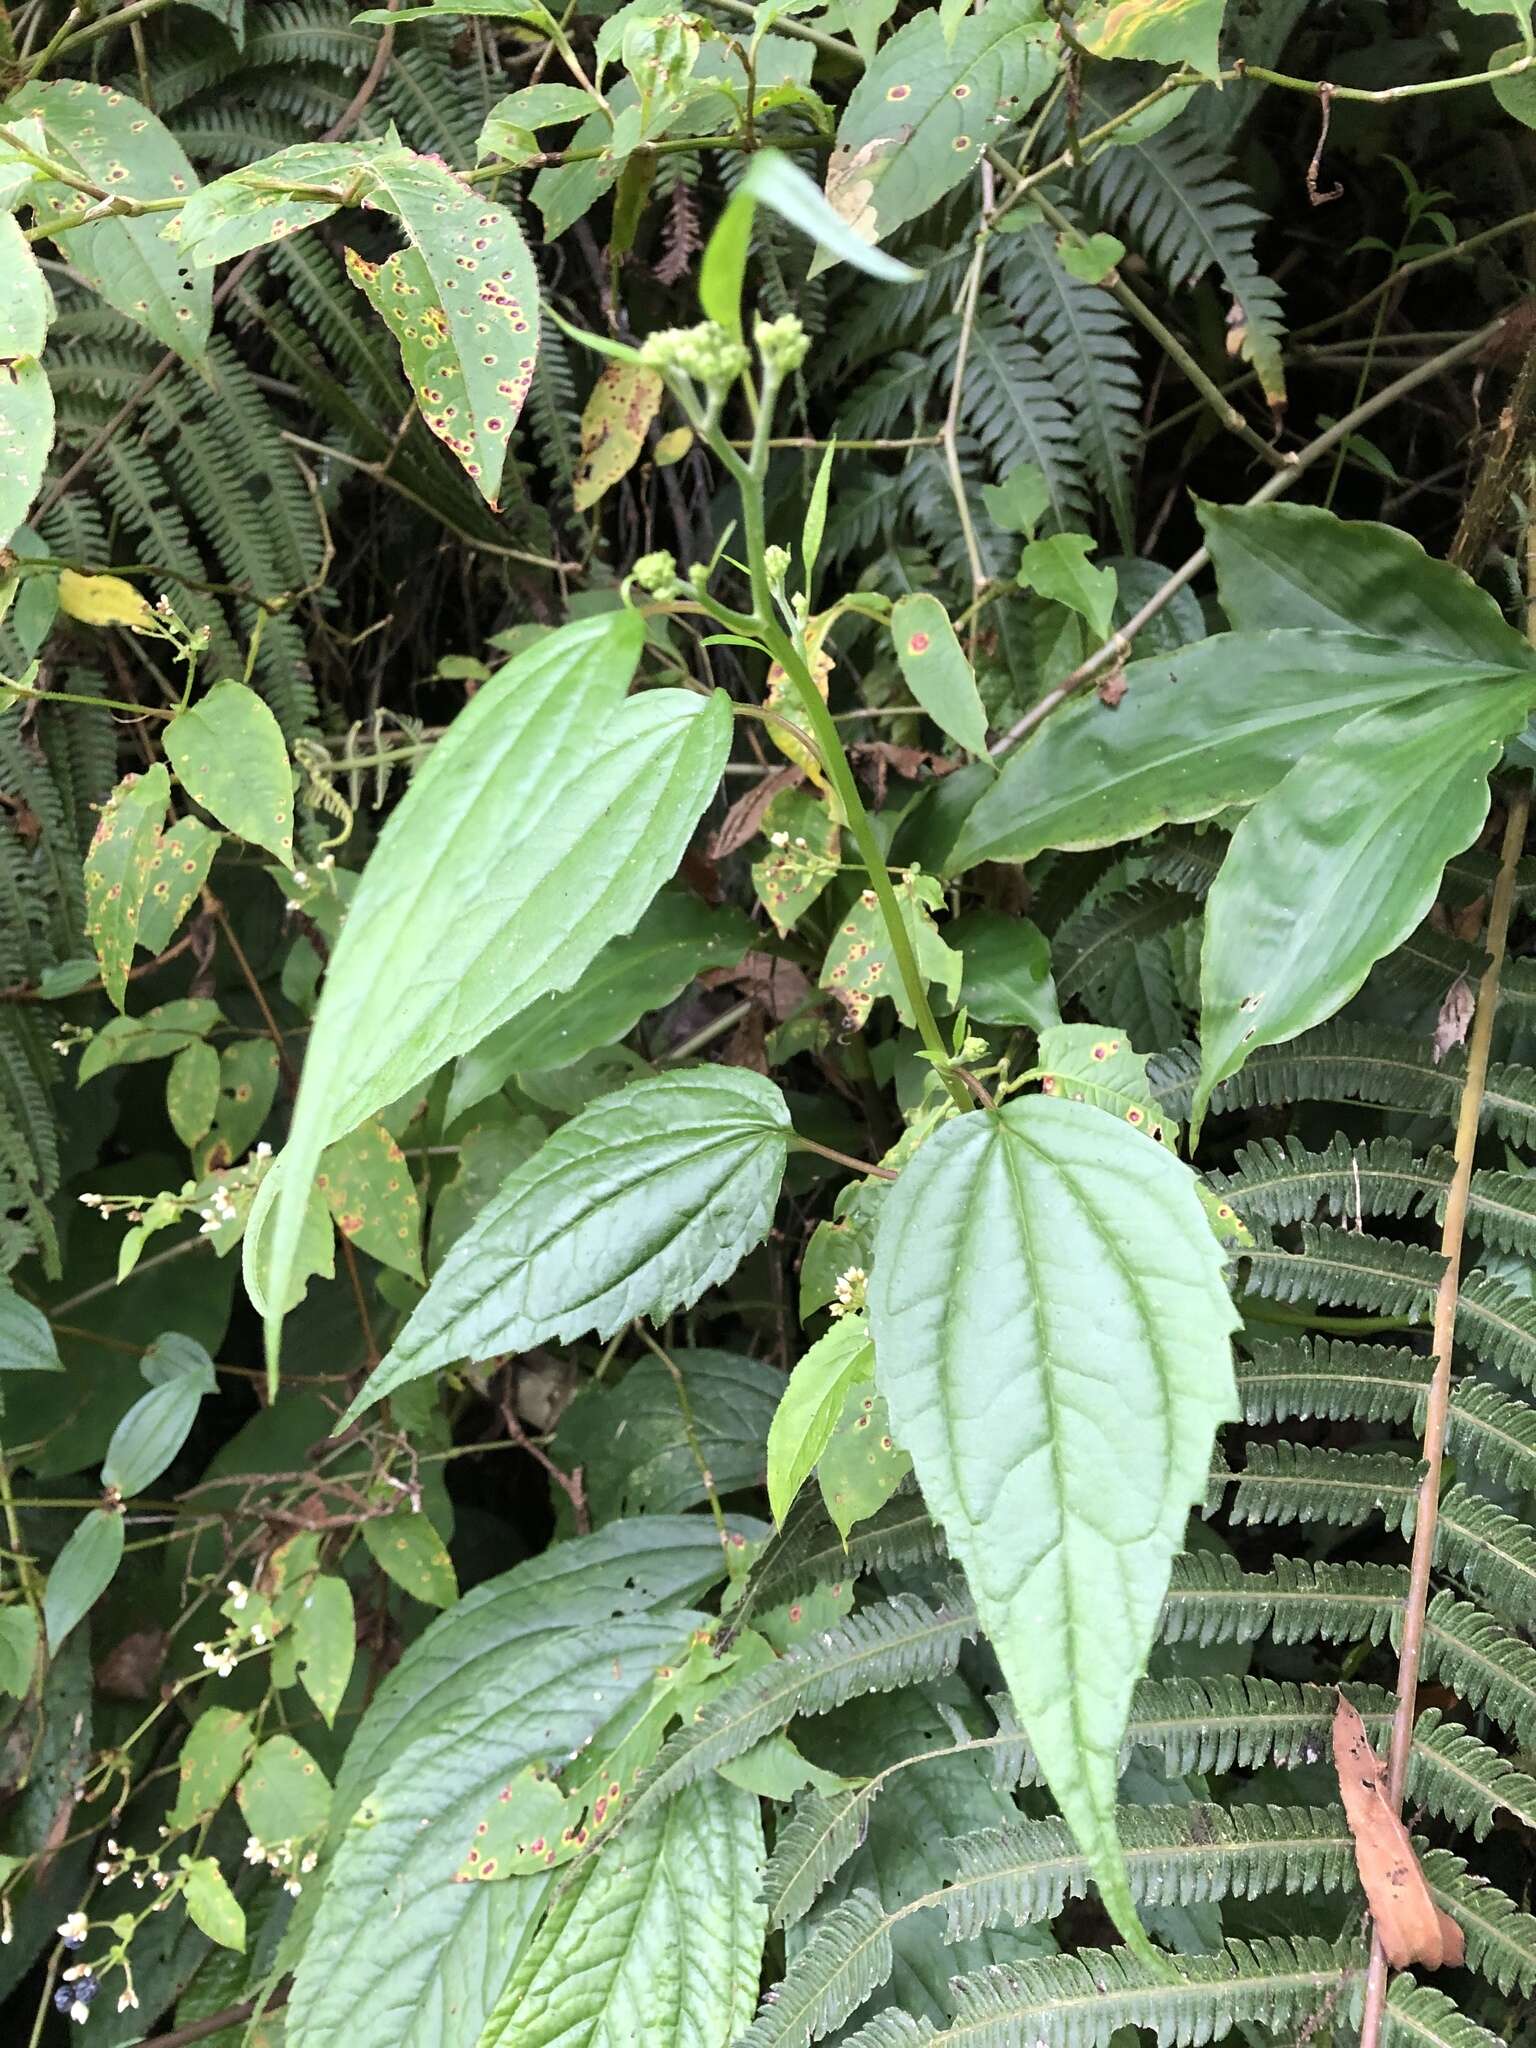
[742,819]
[1455,1017]
[1412,1927]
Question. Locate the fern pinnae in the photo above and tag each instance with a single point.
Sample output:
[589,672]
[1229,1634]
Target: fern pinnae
[1346,1269]
[1330,1379]
[1279,1183]
[1496,1433]
[1457,1775]
[1211,1599]
[1491,1552]
[811,1847]
[1492,1669]
[1421,2016]
[1501,1939]
[847,1959]
[1498,1325]
[1289,1482]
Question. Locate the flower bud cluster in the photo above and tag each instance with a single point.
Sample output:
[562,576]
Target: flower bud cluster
[783,344]
[705,353]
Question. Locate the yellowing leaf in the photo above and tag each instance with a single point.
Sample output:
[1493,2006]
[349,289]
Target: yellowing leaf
[102,601]
[784,699]
[672,447]
[117,871]
[1155,31]
[623,403]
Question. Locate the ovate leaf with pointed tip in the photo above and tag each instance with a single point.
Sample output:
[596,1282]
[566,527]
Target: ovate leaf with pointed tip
[918,120]
[935,670]
[631,1209]
[540,828]
[1217,723]
[82,1572]
[659,1944]
[117,144]
[117,871]
[1338,864]
[1154,31]
[229,756]
[26,1338]
[1052,1335]
[372,1199]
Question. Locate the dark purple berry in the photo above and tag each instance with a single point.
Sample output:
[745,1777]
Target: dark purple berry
[64,1998]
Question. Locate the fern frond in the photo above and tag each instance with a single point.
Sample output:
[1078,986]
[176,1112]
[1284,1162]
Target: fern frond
[1419,2016]
[1496,1433]
[1501,1940]
[848,1957]
[1457,1775]
[1288,1482]
[1091,945]
[1498,1325]
[1330,1379]
[1184,1855]
[1490,1551]
[1347,1062]
[1346,1269]
[1274,1182]
[1211,1599]
[809,1552]
[1207,1725]
[1013,409]
[1080,2001]
[1489,1667]
[811,1848]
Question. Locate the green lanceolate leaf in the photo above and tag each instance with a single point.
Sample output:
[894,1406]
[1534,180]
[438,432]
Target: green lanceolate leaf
[115,143]
[250,207]
[26,1337]
[812,1403]
[661,1944]
[1297,565]
[935,670]
[1215,724]
[525,1669]
[152,1432]
[117,871]
[918,120]
[410,1551]
[540,828]
[1338,864]
[631,1209]
[677,939]
[228,754]
[1052,1335]
[81,1573]
[26,397]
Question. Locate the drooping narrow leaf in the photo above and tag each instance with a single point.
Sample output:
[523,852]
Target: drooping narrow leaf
[540,828]
[229,756]
[935,670]
[81,1573]
[661,1943]
[117,144]
[1339,862]
[1217,723]
[117,871]
[631,1209]
[1051,1332]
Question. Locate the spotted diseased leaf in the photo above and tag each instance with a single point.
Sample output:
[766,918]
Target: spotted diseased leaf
[26,397]
[285,1796]
[182,858]
[192,1092]
[462,300]
[804,855]
[248,1076]
[410,1551]
[624,401]
[117,872]
[862,1465]
[246,208]
[113,142]
[368,1189]
[229,756]
[918,120]
[1099,1065]
[212,1758]
[1154,31]
[860,965]
[936,671]
[1052,1332]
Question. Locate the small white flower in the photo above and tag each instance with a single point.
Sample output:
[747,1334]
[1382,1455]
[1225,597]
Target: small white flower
[779,839]
[263,1150]
[300,879]
[79,2012]
[258,1635]
[238,1594]
[254,1852]
[76,1971]
[292,1887]
[128,2001]
[72,1928]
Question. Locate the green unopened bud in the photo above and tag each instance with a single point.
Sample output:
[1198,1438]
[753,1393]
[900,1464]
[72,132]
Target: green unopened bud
[705,353]
[656,574]
[776,564]
[698,576]
[783,344]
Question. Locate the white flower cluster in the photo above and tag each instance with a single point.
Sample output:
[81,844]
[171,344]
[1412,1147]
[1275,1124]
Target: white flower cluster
[281,1857]
[848,1290]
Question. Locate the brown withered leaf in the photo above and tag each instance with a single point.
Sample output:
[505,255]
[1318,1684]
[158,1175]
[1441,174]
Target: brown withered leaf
[130,1668]
[1455,1017]
[780,987]
[1467,923]
[1412,1927]
[1114,686]
[742,819]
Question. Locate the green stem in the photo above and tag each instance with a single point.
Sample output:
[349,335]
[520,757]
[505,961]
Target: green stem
[74,697]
